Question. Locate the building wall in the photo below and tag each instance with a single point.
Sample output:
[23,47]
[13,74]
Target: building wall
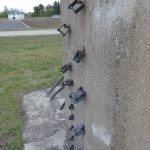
[115,73]
[16,16]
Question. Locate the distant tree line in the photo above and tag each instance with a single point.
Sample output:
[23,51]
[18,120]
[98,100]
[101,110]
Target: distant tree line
[49,10]
[39,11]
[4,13]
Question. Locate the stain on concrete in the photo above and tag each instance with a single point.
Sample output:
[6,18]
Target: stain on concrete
[44,123]
[102,134]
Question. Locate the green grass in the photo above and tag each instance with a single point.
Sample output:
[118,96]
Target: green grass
[26,64]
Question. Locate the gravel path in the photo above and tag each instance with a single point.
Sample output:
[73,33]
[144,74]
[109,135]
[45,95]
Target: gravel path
[44,123]
[29,33]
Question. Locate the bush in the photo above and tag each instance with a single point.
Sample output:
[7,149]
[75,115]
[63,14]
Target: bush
[3,14]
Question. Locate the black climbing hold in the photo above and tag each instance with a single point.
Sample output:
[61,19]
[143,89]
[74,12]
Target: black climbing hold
[64,29]
[79,130]
[72,147]
[71,107]
[67,82]
[66,68]
[71,128]
[79,55]
[72,117]
[76,6]
[63,85]
[72,138]
[77,96]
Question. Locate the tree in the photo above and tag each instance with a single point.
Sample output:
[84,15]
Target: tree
[41,7]
[49,10]
[6,9]
[41,11]
[58,7]
[55,8]
[38,11]
[4,13]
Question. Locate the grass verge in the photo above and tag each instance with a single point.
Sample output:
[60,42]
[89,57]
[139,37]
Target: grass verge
[26,64]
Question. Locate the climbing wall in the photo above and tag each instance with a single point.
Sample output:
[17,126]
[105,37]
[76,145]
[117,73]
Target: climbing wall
[107,43]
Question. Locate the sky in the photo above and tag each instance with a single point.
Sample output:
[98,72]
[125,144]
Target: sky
[25,5]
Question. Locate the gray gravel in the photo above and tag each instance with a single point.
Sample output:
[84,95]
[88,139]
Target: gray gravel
[44,123]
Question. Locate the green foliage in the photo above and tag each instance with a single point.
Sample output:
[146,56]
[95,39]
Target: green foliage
[41,11]
[3,14]
[49,10]
[56,8]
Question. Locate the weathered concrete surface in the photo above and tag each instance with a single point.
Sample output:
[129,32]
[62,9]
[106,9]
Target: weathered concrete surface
[44,123]
[115,73]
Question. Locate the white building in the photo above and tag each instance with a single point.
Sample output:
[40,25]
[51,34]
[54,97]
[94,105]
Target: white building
[16,15]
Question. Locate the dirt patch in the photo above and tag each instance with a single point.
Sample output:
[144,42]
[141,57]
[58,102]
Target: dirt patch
[42,23]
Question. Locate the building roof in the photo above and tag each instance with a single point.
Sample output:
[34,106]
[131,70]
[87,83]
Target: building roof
[15,12]
[56,16]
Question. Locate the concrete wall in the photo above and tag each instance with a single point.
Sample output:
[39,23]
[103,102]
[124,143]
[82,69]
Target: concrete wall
[115,73]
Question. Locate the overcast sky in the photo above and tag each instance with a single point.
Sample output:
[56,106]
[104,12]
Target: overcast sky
[25,5]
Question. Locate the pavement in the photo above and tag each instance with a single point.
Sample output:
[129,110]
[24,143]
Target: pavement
[44,124]
[12,25]
[29,33]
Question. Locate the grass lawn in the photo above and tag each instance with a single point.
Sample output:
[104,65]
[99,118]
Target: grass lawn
[26,64]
